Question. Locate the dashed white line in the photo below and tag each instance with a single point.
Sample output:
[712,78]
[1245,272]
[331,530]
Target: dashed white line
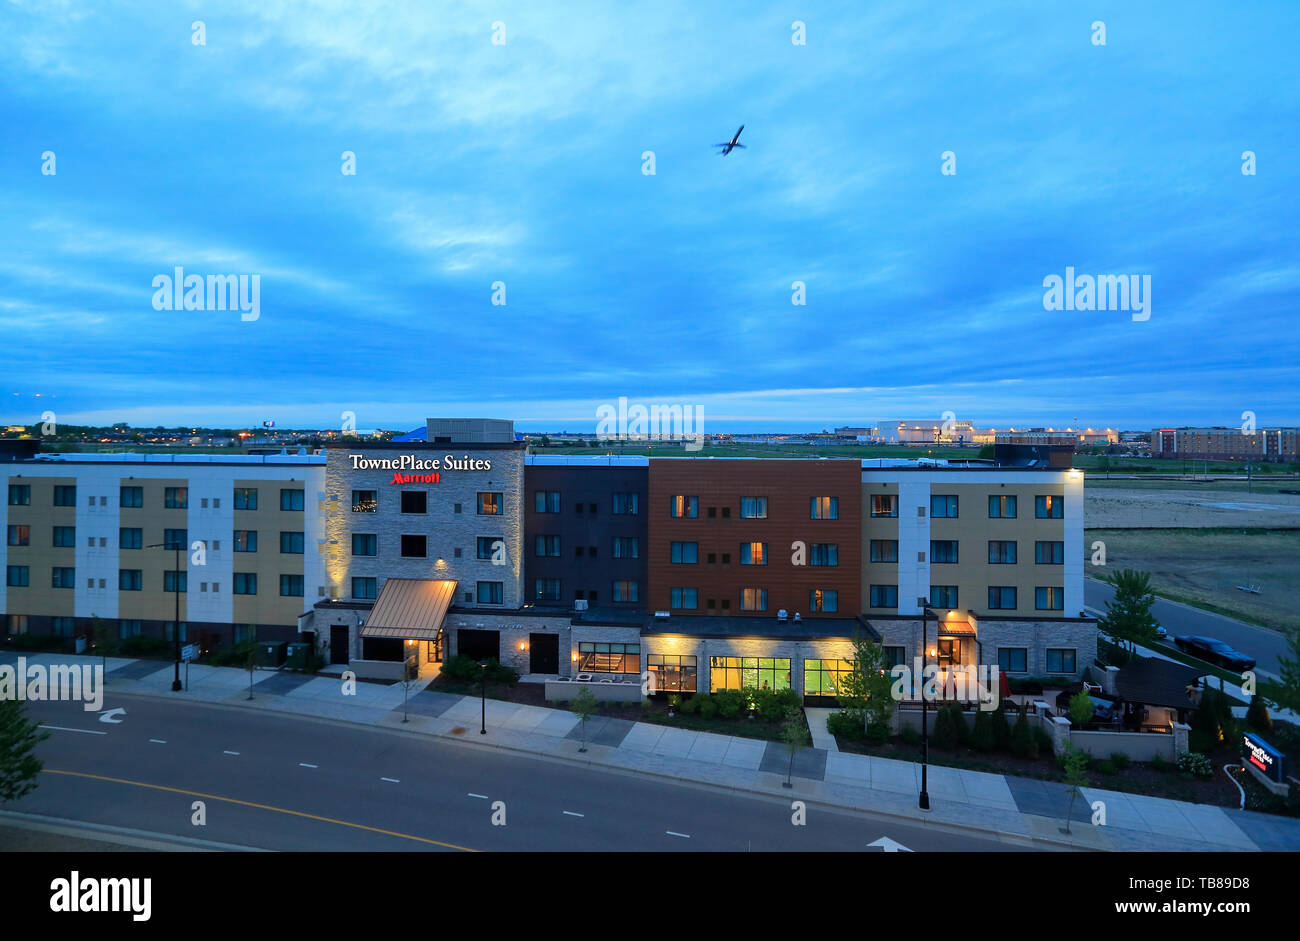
[230,753]
[572,814]
[479,796]
[684,836]
[59,728]
[303,764]
[157,741]
[391,780]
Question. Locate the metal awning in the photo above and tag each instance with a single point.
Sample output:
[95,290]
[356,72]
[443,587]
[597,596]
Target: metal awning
[956,629]
[410,608]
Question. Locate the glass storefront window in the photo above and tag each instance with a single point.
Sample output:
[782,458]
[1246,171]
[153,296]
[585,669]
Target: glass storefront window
[671,673]
[609,658]
[748,673]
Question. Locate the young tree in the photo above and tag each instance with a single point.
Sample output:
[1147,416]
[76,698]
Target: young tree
[794,732]
[584,704]
[18,739]
[1288,690]
[1075,764]
[864,690]
[1081,708]
[1001,726]
[104,640]
[1257,716]
[1023,742]
[1128,618]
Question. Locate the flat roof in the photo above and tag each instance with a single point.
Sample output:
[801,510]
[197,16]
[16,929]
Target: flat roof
[769,628]
[76,457]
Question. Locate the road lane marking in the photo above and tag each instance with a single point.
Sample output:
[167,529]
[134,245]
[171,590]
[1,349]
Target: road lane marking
[572,814]
[244,803]
[303,764]
[684,836]
[230,753]
[59,728]
[482,797]
[391,780]
[157,741]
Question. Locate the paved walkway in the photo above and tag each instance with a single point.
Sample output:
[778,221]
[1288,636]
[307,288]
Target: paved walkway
[1015,807]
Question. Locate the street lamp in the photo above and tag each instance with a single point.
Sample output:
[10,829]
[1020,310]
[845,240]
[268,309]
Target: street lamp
[483,724]
[176,624]
[924,801]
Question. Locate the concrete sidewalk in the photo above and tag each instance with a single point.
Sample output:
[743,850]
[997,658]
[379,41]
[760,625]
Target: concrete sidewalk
[1024,808]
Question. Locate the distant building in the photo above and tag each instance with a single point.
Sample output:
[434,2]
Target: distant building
[1226,444]
[928,431]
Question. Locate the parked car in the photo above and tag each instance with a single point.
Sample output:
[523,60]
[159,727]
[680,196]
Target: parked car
[1161,632]
[1214,651]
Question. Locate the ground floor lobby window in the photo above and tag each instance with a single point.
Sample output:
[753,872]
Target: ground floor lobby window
[609,658]
[671,673]
[748,673]
[825,677]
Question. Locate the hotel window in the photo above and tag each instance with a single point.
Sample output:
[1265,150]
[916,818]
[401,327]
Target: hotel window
[943,550]
[490,504]
[884,596]
[169,630]
[365,588]
[943,507]
[1048,507]
[414,546]
[131,497]
[415,501]
[1002,552]
[65,495]
[824,508]
[64,627]
[488,547]
[175,539]
[594,657]
[17,576]
[895,656]
[684,553]
[753,508]
[243,632]
[1060,660]
[245,583]
[1002,597]
[129,627]
[365,544]
[753,553]
[1049,553]
[20,495]
[63,577]
[1002,507]
[626,504]
[130,538]
[823,600]
[176,498]
[245,498]
[943,596]
[547,546]
[824,553]
[884,504]
[245,540]
[753,599]
[365,501]
[291,586]
[20,536]
[547,501]
[546,589]
[491,592]
[685,599]
[291,543]
[680,506]
[1013,659]
[175,581]
[748,673]
[130,579]
[825,677]
[1049,599]
[627,547]
[671,674]
[627,590]
[291,500]
[884,550]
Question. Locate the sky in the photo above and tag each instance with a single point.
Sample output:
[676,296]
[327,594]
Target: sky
[504,145]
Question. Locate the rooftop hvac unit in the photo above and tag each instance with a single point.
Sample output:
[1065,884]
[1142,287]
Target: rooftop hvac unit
[661,615]
[580,605]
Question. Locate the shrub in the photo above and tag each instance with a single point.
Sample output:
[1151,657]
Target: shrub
[1023,742]
[846,725]
[730,702]
[1200,742]
[959,722]
[1120,760]
[501,674]
[143,646]
[1001,726]
[946,735]
[909,735]
[1044,740]
[1159,764]
[236,656]
[877,733]
[35,642]
[1257,716]
[690,706]
[674,701]
[1106,766]
[983,737]
[1199,765]
[461,668]
[708,708]
[1081,708]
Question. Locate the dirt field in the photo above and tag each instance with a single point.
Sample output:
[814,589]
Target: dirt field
[1119,504]
[1206,565]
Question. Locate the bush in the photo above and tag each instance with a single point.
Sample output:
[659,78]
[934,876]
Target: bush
[708,708]
[846,725]
[946,735]
[772,705]
[1106,766]
[1159,764]
[1200,742]
[959,722]
[1044,740]
[1001,726]
[1023,742]
[983,737]
[1199,765]
[141,646]
[689,707]
[730,702]
[909,735]
[1119,760]
[35,642]
[501,674]
[877,733]
[236,656]
[1257,716]
[461,668]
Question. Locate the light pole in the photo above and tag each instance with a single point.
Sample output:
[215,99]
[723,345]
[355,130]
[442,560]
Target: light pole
[924,801]
[176,624]
[483,724]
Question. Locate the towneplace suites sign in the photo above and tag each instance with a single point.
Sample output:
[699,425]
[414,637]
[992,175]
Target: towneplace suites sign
[431,468]
[1262,756]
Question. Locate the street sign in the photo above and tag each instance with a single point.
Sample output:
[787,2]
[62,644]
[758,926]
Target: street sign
[190,652]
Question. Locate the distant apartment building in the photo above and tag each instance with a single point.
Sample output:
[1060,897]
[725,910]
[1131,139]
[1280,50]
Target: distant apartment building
[1227,444]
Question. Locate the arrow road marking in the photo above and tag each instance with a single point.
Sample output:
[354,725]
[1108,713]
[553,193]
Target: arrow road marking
[889,846]
[108,716]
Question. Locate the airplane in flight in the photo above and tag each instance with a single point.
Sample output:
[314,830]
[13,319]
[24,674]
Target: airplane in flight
[732,144]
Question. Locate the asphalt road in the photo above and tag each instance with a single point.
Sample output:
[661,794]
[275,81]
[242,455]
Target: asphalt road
[1259,642]
[288,783]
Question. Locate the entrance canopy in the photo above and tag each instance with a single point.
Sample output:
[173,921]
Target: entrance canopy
[410,608]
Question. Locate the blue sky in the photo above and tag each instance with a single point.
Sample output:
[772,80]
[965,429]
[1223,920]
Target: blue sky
[521,163]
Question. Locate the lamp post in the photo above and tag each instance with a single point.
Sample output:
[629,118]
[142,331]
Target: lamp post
[483,723]
[924,801]
[176,624]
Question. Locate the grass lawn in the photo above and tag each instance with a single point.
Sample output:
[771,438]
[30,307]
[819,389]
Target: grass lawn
[1202,567]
